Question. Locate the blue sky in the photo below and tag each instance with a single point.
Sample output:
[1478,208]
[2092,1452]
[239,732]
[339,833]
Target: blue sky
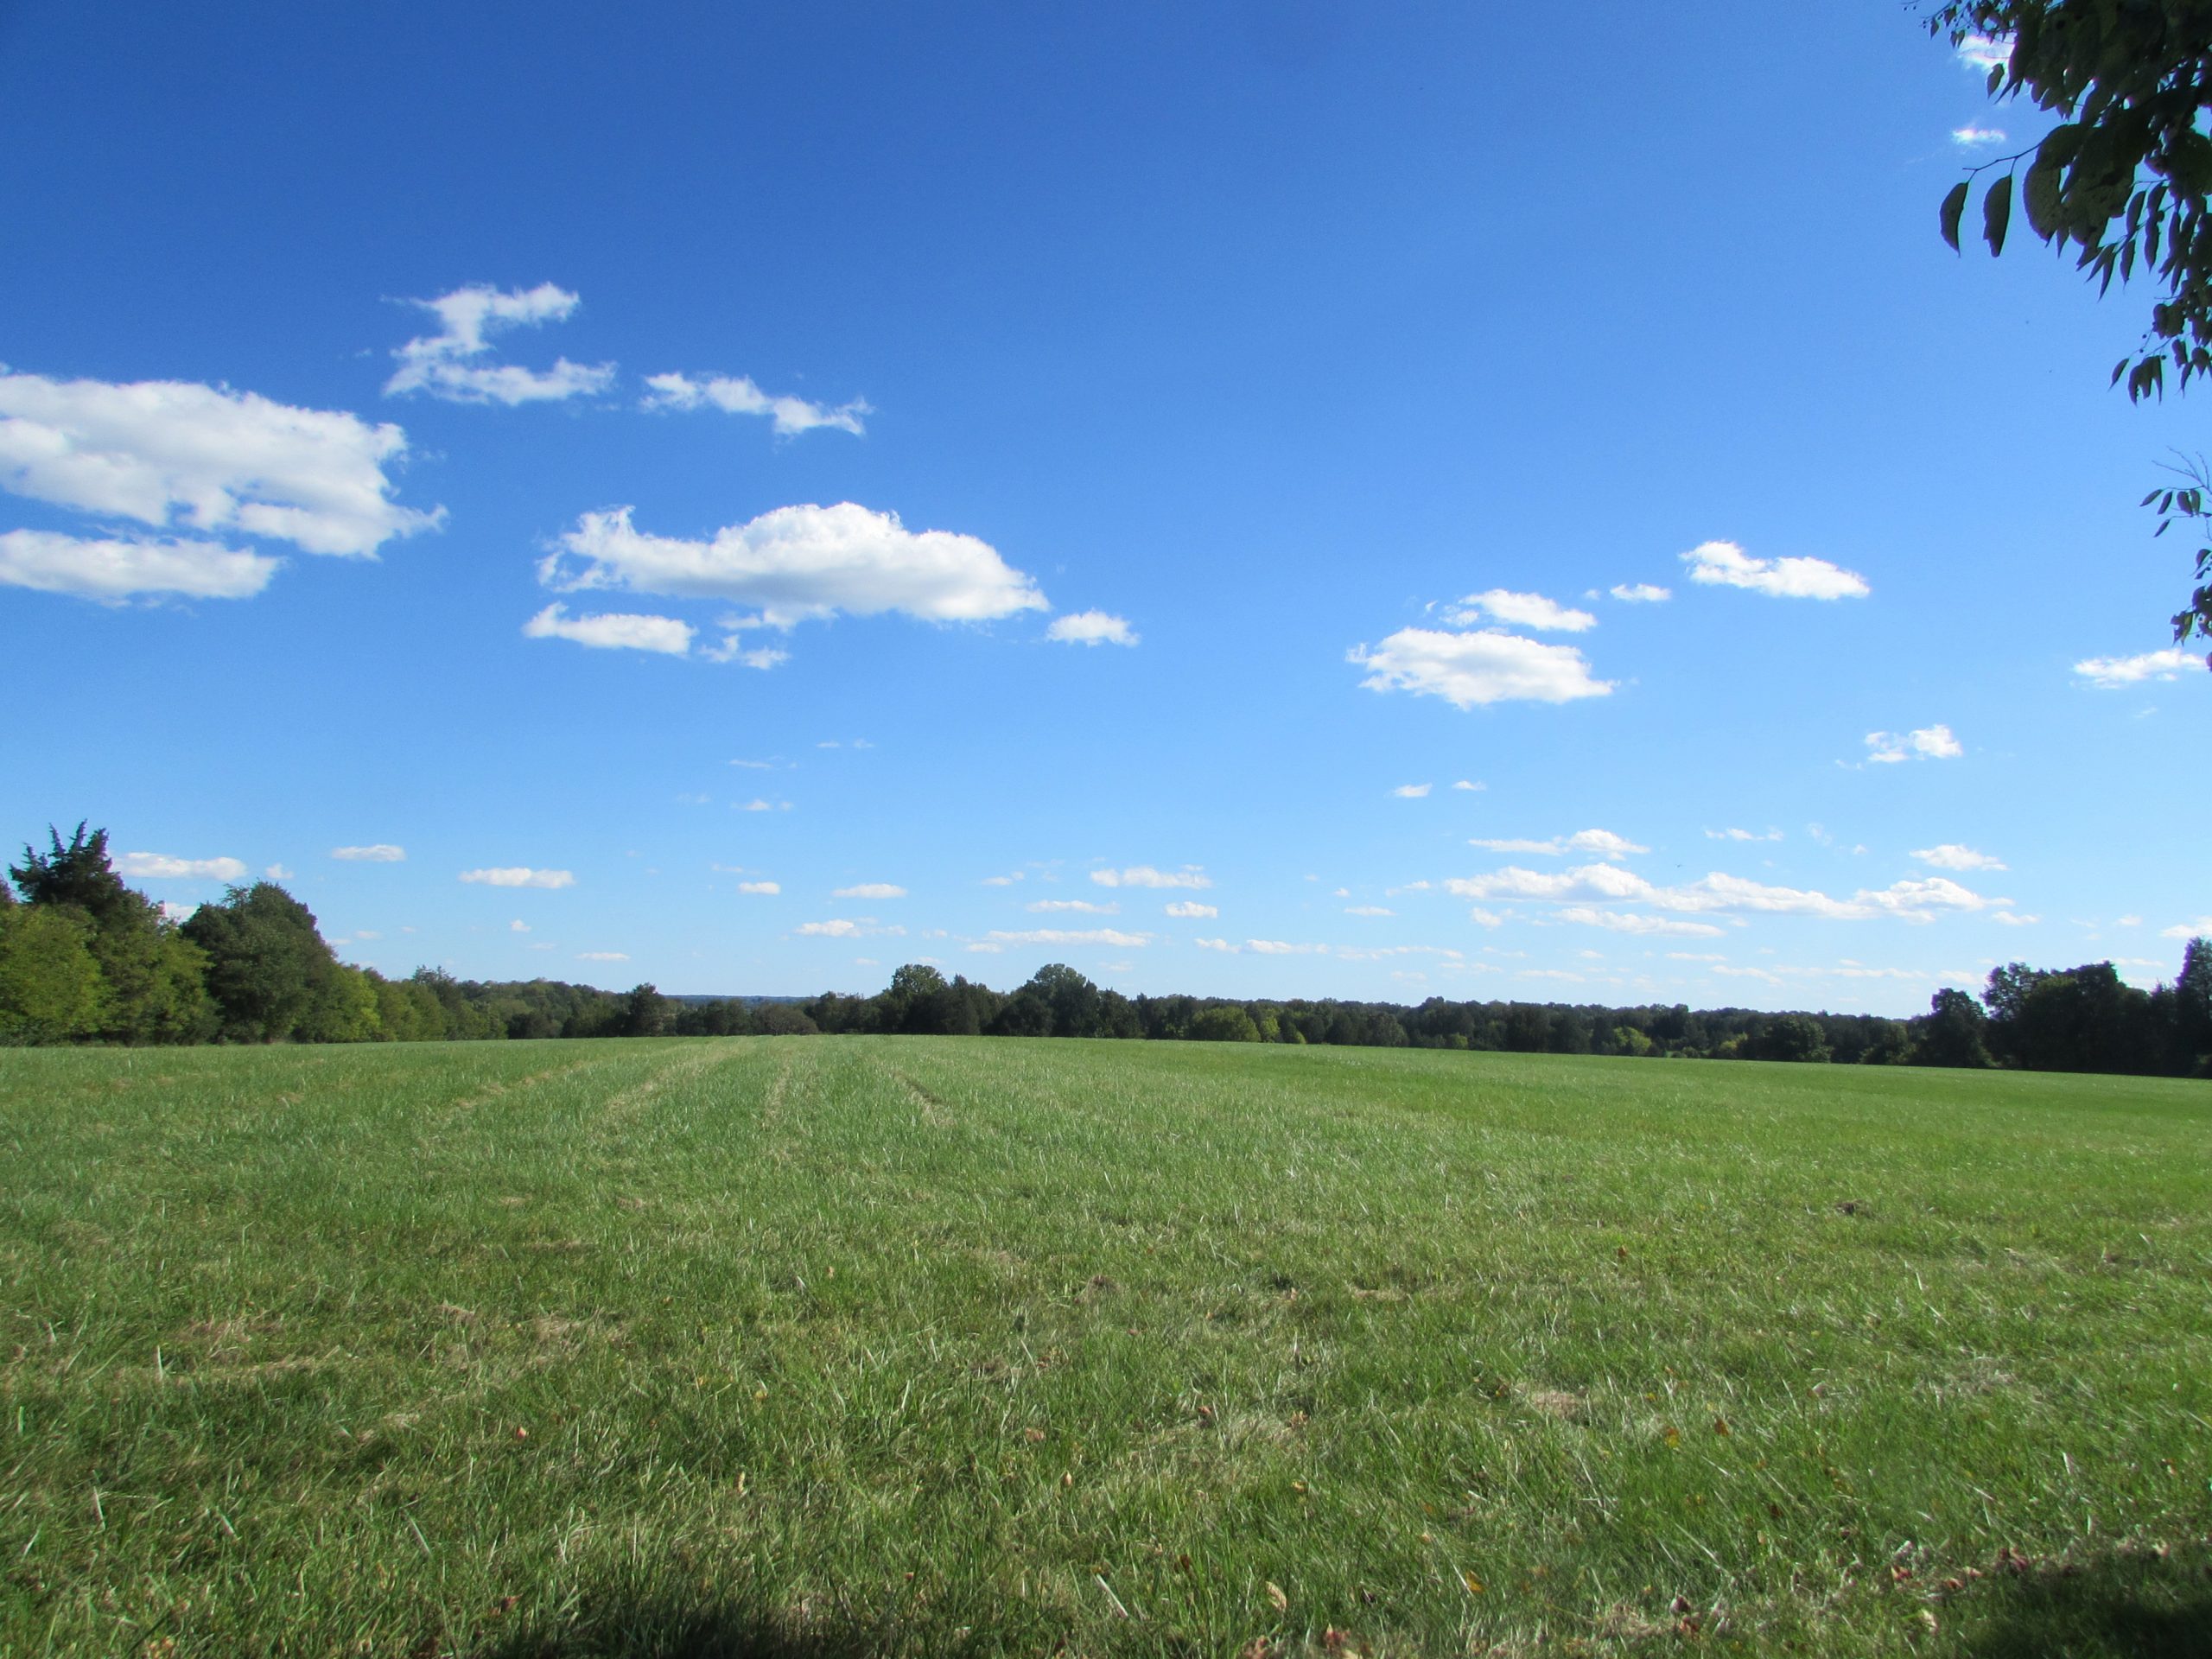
[742,497]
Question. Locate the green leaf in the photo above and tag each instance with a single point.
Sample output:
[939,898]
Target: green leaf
[1954,204]
[1997,214]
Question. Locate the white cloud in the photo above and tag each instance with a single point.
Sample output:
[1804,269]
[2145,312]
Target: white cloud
[1951,856]
[1192,910]
[1619,921]
[1384,952]
[602,956]
[1468,784]
[168,452]
[1693,955]
[1002,881]
[1929,743]
[518,926]
[1467,669]
[1972,138]
[1223,945]
[1981,54]
[519,876]
[1727,565]
[443,364]
[1281,947]
[1143,875]
[613,631]
[1482,918]
[871,890]
[797,563]
[1060,936]
[2111,673]
[737,395]
[1367,910]
[1079,907]
[276,873]
[382,852]
[1091,628]
[842,927]
[1910,900]
[2201,927]
[1520,611]
[764,889]
[110,570]
[1412,792]
[162,867]
[2012,919]
[1604,842]
[1642,593]
[1742,834]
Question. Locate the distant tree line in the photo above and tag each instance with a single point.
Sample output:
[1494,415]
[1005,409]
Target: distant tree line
[84,959]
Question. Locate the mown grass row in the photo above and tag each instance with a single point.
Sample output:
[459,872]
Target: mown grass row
[935,1345]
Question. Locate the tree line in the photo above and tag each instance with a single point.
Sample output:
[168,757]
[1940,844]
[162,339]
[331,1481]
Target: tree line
[84,959]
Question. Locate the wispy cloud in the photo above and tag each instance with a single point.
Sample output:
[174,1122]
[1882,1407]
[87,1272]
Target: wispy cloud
[1642,593]
[1192,910]
[1143,875]
[1062,936]
[110,570]
[760,889]
[737,395]
[1742,834]
[1077,906]
[871,890]
[1603,842]
[1951,856]
[1412,792]
[1974,138]
[1725,564]
[1929,743]
[1520,611]
[164,866]
[447,363]
[2115,673]
[612,630]
[382,852]
[519,876]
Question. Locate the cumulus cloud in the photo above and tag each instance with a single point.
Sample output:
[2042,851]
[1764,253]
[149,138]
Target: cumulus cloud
[797,563]
[1412,792]
[1951,856]
[1929,743]
[871,890]
[519,876]
[1468,670]
[167,453]
[2113,673]
[276,873]
[1091,628]
[1910,900]
[518,926]
[1468,784]
[763,889]
[1727,565]
[2201,928]
[1192,910]
[1078,906]
[1972,137]
[1223,945]
[1143,875]
[1603,842]
[1062,936]
[382,852]
[1621,921]
[1642,593]
[162,867]
[1520,611]
[612,630]
[737,395]
[110,569]
[447,363]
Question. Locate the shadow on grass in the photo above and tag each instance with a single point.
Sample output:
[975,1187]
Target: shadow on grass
[2124,1607]
[657,1628]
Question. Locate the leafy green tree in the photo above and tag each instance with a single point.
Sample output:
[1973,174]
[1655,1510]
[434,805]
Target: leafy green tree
[1954,1032]
[2123,176]
[1795,1037]
[51,990]
[268,967]
[646,1013]
[1225,1022]
[2192,1008]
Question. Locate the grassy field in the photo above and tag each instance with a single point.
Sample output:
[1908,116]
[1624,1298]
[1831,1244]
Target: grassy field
[828,1346]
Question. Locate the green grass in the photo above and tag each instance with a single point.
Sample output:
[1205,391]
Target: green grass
[938,1345]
